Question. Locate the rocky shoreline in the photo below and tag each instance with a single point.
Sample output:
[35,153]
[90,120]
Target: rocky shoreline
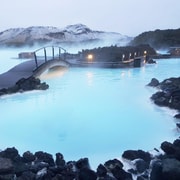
[164,165]
[168,94]
[42,166]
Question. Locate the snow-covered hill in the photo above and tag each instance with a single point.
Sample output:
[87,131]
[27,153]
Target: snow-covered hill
[53,35]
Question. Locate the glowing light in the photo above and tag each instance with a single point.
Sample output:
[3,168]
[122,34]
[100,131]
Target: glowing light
[90,57]
[145,55]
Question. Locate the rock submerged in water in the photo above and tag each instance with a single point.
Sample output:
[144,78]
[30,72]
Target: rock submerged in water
[154,82]
[151,61]
[25,84]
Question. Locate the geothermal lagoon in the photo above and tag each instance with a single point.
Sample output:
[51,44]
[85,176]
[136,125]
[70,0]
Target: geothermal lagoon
[88,112]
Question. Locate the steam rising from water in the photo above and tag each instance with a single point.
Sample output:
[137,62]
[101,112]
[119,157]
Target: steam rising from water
[9,56]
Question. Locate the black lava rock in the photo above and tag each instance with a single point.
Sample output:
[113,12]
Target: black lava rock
[136,154]
[154,82]
[25,84]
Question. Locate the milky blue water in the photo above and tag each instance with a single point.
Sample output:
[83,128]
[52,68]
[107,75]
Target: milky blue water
[89,112]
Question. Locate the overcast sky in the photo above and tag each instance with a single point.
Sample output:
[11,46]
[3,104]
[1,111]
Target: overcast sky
[128,17]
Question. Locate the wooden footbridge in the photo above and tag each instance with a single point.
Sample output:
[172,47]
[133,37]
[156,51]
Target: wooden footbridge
[48,57]
[40,61]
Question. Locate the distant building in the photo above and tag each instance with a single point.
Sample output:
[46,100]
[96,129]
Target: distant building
[116,54]
[26,55]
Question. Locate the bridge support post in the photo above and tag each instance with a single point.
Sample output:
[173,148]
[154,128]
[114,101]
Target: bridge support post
[53,52]
[35,58]
[59,53]
[64,55]
[45,55]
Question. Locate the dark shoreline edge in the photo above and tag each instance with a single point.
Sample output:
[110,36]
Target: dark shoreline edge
[42,166]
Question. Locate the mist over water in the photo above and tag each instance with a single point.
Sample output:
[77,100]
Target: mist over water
[88,112]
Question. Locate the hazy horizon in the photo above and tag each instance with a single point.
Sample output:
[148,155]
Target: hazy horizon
[122,16]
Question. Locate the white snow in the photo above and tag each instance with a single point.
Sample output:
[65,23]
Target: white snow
[71,33]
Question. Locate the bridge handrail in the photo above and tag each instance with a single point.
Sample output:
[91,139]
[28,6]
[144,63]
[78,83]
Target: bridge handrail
[45,55]
[50,46]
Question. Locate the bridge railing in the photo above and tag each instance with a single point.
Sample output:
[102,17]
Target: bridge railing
[47,53]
